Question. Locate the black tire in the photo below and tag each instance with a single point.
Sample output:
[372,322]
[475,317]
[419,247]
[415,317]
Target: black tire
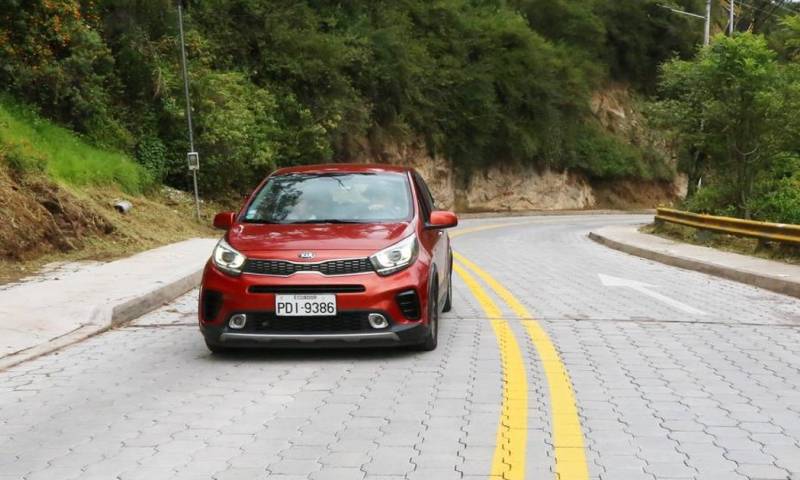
[218,349]
[432,338]
[448,301]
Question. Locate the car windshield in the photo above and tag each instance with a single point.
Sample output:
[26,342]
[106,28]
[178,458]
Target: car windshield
[332,198]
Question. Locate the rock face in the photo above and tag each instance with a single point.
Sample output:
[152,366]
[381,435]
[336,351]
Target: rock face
[517,188]
[437,171]
[522,188]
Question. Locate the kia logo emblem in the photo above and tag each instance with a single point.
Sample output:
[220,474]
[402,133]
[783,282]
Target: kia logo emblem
[306,255]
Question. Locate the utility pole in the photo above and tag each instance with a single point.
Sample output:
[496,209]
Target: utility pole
[731,19]
[192,157]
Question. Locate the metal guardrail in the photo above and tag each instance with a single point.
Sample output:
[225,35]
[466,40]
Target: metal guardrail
[774,232]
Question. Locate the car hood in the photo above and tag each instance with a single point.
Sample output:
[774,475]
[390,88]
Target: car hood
[251,238]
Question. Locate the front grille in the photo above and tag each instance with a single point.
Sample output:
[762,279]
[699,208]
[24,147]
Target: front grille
[286,268]
[408,302]
[267,322]
[300,289]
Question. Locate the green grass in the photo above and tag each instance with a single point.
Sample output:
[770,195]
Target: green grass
[62,154]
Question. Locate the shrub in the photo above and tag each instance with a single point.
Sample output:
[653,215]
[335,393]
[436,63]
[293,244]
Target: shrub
[713,200]
[602,155]
[777,194]
[151,153]
[781,204]
[21,158]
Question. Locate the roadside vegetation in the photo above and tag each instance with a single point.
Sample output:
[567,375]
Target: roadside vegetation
[33,144]
[57,194]
[734,110]
[747,246]
[280,83]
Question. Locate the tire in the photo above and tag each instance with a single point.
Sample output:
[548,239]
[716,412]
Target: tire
[432,338]
[218,349]
[448,302]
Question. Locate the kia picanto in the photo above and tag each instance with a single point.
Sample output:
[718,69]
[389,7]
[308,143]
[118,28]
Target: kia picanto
[330,255]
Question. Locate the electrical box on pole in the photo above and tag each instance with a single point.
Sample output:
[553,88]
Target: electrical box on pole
[193,161]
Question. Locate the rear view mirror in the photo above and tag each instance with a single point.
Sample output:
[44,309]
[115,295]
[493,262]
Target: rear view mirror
[442,219]
[224,220]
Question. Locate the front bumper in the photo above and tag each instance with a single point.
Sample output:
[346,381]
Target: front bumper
[243,294]
[395,336]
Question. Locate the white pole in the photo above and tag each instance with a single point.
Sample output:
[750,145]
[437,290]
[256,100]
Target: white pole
[707,33]
[731,19]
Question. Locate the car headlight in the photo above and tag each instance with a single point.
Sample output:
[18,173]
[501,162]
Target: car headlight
[397,257]
[227,259]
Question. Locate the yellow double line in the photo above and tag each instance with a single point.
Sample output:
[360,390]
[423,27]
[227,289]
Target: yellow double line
[509,455]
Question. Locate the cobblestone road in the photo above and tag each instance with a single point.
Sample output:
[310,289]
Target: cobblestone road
[660,394]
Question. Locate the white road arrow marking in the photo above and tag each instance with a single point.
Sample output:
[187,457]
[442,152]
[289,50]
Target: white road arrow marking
[644,288]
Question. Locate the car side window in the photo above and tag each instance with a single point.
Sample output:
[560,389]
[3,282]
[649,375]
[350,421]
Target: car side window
[426,199]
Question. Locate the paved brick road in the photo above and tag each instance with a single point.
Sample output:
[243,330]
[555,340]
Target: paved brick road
[661,394]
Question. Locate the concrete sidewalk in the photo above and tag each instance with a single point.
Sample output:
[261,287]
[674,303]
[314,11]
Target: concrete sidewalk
[768,274]
[52,310]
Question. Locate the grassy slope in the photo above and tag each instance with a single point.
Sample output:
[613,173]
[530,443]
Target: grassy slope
[68,158]
[57,194]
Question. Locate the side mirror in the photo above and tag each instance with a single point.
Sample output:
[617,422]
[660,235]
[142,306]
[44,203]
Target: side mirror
[224,220]
[442,219]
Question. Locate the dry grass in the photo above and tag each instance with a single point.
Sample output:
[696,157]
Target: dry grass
[729,243]
[156,219]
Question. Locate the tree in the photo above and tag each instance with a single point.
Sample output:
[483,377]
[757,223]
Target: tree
[732,104]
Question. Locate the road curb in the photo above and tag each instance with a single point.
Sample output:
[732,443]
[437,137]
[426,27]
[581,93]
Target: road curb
[767,282]
[106,317]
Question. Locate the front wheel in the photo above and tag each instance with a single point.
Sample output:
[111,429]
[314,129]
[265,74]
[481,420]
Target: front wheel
[448,301]
[432,338]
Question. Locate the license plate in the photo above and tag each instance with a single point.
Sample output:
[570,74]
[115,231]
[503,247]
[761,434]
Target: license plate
[305,305]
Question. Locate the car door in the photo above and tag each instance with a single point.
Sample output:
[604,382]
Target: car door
[435,241]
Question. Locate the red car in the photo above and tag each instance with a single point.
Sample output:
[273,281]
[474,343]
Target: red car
[330,255]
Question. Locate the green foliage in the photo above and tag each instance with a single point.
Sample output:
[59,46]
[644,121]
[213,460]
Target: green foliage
[51,56]
[282,83]
[235,129]
[151,153]
[30,143]
[777,197]
[641,34]
[21,159]
[604,156]
[733,109]
[786,39]
[717,199]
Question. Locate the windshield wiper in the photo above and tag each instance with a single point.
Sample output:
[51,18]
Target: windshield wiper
[258,220]
[325,220]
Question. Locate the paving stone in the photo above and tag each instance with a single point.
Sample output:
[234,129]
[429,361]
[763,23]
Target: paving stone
[660,394]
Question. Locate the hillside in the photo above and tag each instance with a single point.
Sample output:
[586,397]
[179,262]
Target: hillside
[57,194]
[484,85]
[502,104]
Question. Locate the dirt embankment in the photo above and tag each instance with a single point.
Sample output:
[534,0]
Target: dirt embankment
[41,217]
[43,221]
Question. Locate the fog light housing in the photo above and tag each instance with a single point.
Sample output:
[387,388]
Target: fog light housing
[376,320]
[238,321]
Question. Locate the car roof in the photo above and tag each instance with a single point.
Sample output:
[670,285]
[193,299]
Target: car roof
[343,168]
